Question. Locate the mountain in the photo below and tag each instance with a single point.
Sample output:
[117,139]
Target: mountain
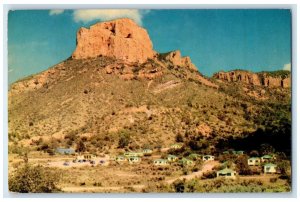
[116,86]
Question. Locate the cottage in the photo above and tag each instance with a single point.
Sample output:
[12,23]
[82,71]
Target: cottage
[270,168]
[266,158]
[239,152]
[176,146]
[147,152]
[65,151]
[160,162]
[185,161]
[134,159]
[89,157]
[227,173]
[129,154]
[225,152]
[120,158]
[254,161]
[172,158]
[208,158]
[194,156]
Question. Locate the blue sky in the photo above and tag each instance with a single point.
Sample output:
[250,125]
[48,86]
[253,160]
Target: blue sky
[256,40]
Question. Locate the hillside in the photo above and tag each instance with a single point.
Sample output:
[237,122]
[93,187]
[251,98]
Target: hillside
[101,95]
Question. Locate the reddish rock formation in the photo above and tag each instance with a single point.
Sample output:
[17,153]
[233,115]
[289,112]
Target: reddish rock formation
[176,59]
[258,79]
[276,81]
[242,76]
[122,39]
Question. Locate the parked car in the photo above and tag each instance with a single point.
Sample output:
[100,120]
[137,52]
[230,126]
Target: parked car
[66,163]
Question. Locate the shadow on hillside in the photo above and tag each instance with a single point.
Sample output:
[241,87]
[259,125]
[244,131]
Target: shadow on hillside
[279,137]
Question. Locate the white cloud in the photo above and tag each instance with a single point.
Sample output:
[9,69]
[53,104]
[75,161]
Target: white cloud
[88,15]
[287,67]
[56,12]
[10,70]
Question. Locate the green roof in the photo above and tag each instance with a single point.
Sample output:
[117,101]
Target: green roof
[194,154]
[253,158]
[267,156]
[177,144]
[226,170]
[270,164]
[184,160]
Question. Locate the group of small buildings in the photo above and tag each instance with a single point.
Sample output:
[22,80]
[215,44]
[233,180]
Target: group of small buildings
[132,157]
[136,157]
[265,161]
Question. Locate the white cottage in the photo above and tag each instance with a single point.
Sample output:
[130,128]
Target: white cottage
[208,158]
[270,168]
[254,161]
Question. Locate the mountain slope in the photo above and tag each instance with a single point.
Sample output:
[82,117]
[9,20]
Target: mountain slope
[152,102]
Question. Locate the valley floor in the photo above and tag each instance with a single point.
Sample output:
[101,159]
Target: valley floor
[142,177]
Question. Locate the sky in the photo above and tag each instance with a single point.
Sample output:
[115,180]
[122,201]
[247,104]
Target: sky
[255,40]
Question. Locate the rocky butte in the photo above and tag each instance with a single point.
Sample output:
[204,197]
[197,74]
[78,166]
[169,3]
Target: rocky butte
[122,39]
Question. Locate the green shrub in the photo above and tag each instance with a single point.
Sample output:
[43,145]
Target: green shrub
[33,179]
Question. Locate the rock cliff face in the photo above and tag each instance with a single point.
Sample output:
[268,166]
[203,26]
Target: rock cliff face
[122,39]
[257,79]
[176,59]
[275,81]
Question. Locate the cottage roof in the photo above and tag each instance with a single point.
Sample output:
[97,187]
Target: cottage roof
[65,149]
[270,165]
[185,159]
[226,170]
[194,154]
[120,156]
[172,156]
[253,158]
[266,156]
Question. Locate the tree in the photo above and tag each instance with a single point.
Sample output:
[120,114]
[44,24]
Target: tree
[124,139]
[266,149]
[179,138]
[179,186]
[254,153]
[33,179]
[242,165]
[80,146]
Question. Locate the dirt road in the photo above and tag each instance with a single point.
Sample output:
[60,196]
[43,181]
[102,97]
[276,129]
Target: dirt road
[207,166]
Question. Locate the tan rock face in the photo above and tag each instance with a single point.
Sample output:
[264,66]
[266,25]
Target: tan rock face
[242,76]
[253,79]
[276,82]
[122,39]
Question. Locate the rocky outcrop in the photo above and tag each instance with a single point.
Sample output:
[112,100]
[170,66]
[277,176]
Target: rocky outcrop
[276,81]
[175,58]
[257,79]
[35,82]
[242,76]
[122,39]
